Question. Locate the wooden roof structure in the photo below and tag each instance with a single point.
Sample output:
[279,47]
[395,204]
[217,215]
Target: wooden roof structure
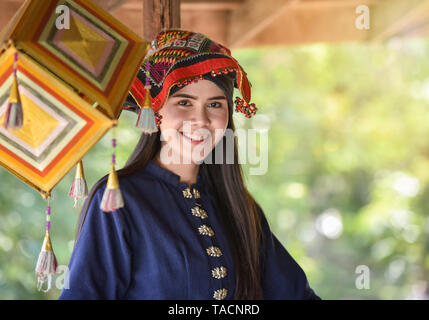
[250,23]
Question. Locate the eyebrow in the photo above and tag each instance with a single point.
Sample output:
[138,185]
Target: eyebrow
[184,95]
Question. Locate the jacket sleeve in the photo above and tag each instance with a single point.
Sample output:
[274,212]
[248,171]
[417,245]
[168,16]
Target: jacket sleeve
[282,277]
[100,265]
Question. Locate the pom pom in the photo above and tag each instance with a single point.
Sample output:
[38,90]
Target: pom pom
[247,109]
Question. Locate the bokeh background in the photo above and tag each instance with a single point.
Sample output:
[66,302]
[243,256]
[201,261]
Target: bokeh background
[348,170]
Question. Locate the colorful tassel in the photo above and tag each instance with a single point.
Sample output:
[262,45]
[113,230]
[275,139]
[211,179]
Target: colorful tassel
[79,188]
[146,120]
[112,197]
[247,109]
[14,115]
[47,262]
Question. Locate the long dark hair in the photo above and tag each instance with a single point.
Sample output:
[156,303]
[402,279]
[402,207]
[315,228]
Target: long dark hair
[238,210]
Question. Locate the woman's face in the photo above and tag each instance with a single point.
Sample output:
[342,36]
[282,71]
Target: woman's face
[194,119]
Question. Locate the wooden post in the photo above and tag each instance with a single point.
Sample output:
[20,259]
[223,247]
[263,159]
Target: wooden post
[159,15]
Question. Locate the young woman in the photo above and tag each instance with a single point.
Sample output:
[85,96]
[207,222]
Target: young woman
[189,228]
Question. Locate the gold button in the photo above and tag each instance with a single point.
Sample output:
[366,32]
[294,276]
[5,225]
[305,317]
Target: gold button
[214,251]
[196,193]
[207,231]
[199,212]
[219,272]
[187,193]
[220,294]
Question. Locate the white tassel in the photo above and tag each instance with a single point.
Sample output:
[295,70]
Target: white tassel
[112,200]
[46,264]
[146,121]
[112,197]
[79,188]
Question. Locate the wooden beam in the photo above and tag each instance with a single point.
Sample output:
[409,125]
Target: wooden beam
[8,8]
[416,30]
[211,5]
[159,15]
[9,12]
[297,26]
[389,18]
[333,4]
[194,20]
[253,17]
[110,5]
[130,14]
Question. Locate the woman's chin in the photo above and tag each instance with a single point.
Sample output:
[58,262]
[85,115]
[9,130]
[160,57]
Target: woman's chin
[195,156]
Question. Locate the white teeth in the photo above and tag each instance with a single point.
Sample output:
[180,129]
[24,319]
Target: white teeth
[196,138]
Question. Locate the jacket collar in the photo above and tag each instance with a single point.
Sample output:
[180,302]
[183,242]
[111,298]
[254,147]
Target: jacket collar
[170,177]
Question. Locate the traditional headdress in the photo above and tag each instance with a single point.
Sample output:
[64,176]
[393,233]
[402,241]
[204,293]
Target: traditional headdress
[178,58]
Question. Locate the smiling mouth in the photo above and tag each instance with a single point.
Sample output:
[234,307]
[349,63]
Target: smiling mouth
[194,139]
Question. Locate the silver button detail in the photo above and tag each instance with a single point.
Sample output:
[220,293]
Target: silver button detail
[214,251]
[205,230]
[219,272]
[187,193]
[196,193]
[220,294]
[199,212]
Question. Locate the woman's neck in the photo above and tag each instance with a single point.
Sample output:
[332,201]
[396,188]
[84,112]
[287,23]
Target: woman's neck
[187,172]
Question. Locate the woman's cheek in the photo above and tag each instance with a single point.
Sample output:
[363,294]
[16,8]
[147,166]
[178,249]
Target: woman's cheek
[172,119]
[219,133]
[220,118]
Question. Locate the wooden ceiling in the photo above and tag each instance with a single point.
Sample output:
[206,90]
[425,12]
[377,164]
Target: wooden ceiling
[244,23]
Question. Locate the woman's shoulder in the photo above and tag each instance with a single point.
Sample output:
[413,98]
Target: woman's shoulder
[128,178]
[138,177]
[134,186]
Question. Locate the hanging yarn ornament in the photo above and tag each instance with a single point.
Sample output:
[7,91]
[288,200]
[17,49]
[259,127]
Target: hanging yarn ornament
[247,109]
[14,116]
[112,197]
[47,262]
[79,188]
[146,120]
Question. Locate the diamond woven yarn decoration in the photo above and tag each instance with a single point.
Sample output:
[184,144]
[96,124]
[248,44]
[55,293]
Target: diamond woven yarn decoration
[59,127]
[83,45]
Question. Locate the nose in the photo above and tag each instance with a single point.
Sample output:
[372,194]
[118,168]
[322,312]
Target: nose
[200,117]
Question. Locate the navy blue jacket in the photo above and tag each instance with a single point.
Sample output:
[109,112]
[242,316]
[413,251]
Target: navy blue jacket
[167,243]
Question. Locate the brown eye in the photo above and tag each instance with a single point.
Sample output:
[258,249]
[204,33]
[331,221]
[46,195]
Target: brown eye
[183,102]
[215,105]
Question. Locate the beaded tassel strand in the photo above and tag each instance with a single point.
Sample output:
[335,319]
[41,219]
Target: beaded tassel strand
[47,262]
[146,121]
[14,116]
[79,187]
[112,197]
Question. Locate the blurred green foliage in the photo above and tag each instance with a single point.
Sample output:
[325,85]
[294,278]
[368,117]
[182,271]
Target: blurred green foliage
[347,181]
